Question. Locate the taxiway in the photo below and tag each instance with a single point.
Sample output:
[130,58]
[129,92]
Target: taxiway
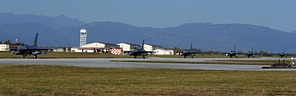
[106,63]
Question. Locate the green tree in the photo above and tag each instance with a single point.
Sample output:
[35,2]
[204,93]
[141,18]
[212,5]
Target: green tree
[8,42]
[0,42]
[263,53]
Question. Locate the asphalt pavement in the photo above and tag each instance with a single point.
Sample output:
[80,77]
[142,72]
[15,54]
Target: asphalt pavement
[106,63]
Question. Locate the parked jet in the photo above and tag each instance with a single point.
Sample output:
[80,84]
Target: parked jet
[139,51]
[30,50]
[251,53]
[189,52]
[283,54]
[232,53]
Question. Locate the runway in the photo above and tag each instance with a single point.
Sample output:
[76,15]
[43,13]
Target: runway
[106,63]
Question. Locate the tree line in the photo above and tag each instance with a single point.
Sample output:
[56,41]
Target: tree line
[10,43]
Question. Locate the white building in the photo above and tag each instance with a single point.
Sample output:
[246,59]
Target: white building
[61,49]
[151,47]
[4,47]
[95,47]
[157,49]
[163,52]
[127,46]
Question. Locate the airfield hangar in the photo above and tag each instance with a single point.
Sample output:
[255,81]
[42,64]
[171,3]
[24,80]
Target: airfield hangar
[158,49]
[127,46]
[96,47]
[116,49]
[120,48]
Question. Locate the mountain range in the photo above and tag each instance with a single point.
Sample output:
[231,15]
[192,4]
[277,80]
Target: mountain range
[64,31]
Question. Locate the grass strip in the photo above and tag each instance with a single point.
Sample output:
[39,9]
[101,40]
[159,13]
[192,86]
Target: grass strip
[61,80]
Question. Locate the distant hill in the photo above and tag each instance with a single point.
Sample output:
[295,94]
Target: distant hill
[225,36]
[64,31]
[53,22]
[23,26]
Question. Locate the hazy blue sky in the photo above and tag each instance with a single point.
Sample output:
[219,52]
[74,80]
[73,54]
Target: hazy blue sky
[277,14]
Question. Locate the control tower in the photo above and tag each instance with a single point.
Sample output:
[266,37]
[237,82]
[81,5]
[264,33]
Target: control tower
[83,35]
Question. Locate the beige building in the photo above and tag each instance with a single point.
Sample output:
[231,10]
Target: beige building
[127,46]
[120,48]
[95,47]
[151,47]
[4,47]
[157,49]
[163,52]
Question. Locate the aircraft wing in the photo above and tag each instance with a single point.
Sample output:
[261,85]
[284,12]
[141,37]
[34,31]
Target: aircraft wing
[41,49]
[150,51]
[12,49]
[127,51]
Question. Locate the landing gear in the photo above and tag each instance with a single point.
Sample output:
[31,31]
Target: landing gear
[35,56]
[143,55]
[25,55]
[232,56]
[186,56]
[250,56]
[140,54]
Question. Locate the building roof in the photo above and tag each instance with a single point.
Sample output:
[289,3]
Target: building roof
[131,44]
[154,45]
[110,45]
[89,48]
[106,43]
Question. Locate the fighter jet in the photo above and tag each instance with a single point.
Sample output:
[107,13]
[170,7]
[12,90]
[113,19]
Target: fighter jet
[189,52]
[283,54]
[232,53]
[251,53]
[30,50]
[139,51]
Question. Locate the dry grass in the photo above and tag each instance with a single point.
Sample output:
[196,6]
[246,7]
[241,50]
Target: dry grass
[57,80]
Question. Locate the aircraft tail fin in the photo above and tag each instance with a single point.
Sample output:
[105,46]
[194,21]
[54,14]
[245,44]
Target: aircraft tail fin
[234,49]
[143,44]
[190,46]
[35,40]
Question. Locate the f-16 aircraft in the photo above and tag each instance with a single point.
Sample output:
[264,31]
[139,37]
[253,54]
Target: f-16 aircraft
[283,54]
[189,52]
[139,51]
[232,53]
[29,50]
[251,53]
